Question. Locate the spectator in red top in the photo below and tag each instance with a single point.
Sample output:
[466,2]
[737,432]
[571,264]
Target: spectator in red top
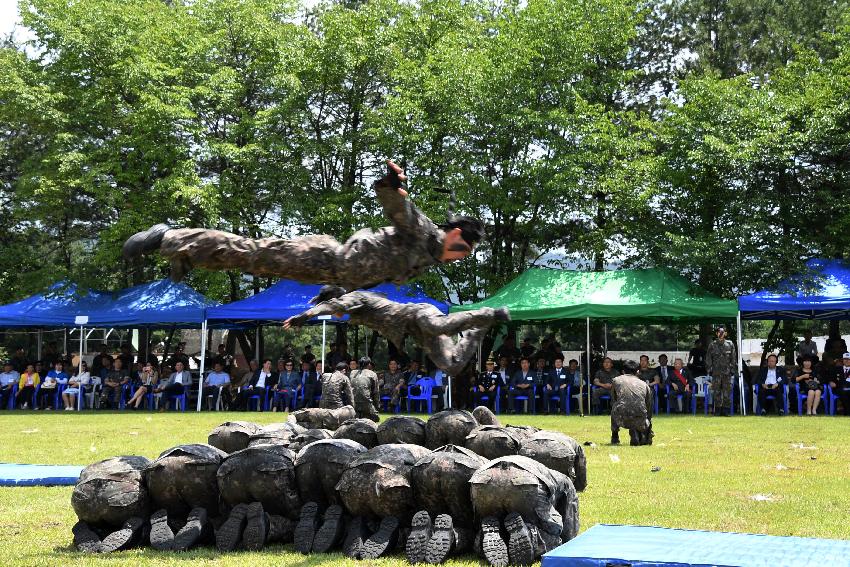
[681,382]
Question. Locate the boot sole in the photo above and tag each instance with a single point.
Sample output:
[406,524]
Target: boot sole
[191,532]
[420,534]
[123,538]
[494,547]
[442,540]
[85,539]
[382,540]
[305,531]
[352,547]
[329,535]
[139,244]
[161,536]
[229,535]
[520,550]
[254,536]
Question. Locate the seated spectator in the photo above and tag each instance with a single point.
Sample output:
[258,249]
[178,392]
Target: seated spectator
[261,379]
[8,380]
[393,384]
[809,383]
[312,383]
[69,394]
[224,358]
[50,386]
[696,359]
[603,382]
[176,384]
[506,373]
[541,380]
[101,360]
[681,383]
[113,383]
[646,372]
[288,387]
[840,381]
[662,378]
[27,384]
[147,381]
[438,390]
[412,375]
[308,355]
[486,384]
[217,384]
[522,384]
[19,361]
[771,381]
[807,348]
[179,356]
[559,379]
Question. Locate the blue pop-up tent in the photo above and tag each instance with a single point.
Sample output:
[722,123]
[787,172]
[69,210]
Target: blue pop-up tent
[53,308]
[822,293]
[287,298]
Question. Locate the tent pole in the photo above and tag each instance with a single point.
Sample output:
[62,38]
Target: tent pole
[741,367]
[581,387]
[203,361]
[257,345]
[324,341]
[39,342]
[80,386]
[64,341]
[606,338]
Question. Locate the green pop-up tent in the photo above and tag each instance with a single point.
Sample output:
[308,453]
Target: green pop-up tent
[649,295]
[541,294]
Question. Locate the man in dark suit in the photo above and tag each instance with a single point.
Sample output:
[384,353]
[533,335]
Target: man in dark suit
[311,384]
[771,381]
[263,379]
[559,379]
[664,371]
[840,382]
[522,384]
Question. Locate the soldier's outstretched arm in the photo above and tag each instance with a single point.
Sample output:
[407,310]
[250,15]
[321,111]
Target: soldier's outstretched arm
[400,210]
[329,307]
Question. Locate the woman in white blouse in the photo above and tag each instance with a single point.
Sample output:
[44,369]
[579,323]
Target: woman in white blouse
[69,396]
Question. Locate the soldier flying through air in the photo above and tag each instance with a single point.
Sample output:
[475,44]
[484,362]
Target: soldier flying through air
[425,323]
[390,254]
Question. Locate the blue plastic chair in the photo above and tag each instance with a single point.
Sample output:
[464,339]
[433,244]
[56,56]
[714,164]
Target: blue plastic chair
[254,400]
[783,401]
[709,398]
[497,394]
[12,396]
[831,399]
[679,397]
[526,398]
[385,404]
[177,401]
[425,385]
[602,397]
[293,400]
[556,396]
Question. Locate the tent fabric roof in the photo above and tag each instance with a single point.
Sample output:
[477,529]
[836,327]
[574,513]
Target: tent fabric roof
[822,294]
[542,294]
[287,298]
[161,302]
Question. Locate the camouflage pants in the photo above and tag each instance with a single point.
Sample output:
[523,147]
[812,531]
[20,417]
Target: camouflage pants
[307,259]
[451,357]
[629,421]
[366,411]
[721,391]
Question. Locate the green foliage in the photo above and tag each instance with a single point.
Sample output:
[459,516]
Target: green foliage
[706,136]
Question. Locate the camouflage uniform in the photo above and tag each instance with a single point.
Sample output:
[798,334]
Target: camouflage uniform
[336,391]
[559,452]
[184,477]
[264,474]
[721,365]
[321,418]
[429,327]
[390,254]
[367,400]
[232,436]
[319,466]
[391,380]
[449,427]
[402,429]
[440,482]
[631,405]
[606,377]
[111,492]
[363,431]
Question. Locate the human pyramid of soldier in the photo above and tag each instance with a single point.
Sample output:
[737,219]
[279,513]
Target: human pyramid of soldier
[455,484]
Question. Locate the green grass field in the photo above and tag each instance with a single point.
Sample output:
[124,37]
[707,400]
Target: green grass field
[781,476]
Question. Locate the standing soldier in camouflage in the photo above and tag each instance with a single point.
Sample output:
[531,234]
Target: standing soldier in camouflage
[429,327]
[721,365]
[631,407]
[390,254]
[364,385]
[336,389]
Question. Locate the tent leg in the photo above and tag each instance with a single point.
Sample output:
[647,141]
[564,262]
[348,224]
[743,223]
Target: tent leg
[39,343]
[741,367]
[257,345]
[581,388]
[203,361]
[80,372]
[64,341]
[606,338]
[324,342]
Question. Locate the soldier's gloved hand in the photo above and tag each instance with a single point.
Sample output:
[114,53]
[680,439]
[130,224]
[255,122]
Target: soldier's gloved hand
[395,178]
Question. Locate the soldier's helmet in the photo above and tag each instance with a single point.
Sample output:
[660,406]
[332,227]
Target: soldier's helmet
[493,441]
[484,416]
[310,436]
[363,431]
[558,452]
[276,434]
[232,436]
[111,491]
[402,429]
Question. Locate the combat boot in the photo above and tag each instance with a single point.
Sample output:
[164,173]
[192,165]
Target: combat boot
[188,536]
[330,534]
[520,547]
[615,437]
[635,438]
[354,536]
[161,536]
[305,531]
[420,535]
[228,536]
[442,540]
[492,545]
[124,538]
[85,539]
[256,528]
[383,540]
[144,242]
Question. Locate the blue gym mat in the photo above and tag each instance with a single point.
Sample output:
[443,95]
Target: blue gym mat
[12,474]
[639,546]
